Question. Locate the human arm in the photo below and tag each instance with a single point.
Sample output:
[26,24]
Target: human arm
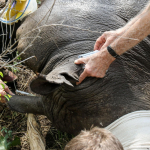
[3,91]
[136,33]
[130,35]
[110,36]
[7,76]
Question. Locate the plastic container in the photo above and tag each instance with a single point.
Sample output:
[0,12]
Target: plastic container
[17,10]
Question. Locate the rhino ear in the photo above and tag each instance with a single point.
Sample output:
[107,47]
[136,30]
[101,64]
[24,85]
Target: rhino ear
[42,86]
[45,84]
[64,74]
[61,78]
[68,74]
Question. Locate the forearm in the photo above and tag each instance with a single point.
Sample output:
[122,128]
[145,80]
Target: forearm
[137,32]
[136,18]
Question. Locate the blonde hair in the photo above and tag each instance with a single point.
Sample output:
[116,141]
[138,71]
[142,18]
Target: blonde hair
[95,139]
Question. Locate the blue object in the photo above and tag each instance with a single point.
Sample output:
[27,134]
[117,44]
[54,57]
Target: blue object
[88,54]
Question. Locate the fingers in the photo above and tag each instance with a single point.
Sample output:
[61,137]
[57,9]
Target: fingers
[2,99]
[79,61]
[4,88]
[82,77]
[99,42]
[8,91]
[2,92]
[84,74]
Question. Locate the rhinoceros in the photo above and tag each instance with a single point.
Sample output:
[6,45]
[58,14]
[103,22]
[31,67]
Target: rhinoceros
[56,34]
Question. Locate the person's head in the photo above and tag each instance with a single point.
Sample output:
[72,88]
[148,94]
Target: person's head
[95,139]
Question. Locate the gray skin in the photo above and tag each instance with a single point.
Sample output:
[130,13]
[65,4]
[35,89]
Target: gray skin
[98,102]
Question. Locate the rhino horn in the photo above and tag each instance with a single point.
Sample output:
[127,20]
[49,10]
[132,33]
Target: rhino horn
[26,104]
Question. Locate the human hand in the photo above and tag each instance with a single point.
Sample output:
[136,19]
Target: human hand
[107,38]
[3,91]
[96,65]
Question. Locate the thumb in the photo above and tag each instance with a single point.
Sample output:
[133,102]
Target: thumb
[79,61]
[99,42]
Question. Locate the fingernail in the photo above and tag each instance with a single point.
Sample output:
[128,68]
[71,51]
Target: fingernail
[11,93]
[75,61]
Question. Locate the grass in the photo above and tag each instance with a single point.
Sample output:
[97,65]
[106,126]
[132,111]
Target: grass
[14,122]
[56,139]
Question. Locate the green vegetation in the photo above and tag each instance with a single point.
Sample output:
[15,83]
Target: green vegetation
[7,141]
[38,2]
[3,86]
[56,139]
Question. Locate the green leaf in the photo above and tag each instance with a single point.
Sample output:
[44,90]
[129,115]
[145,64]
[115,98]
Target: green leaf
[1,139]
[15,142]
[6,97]
[9,95]
[6,142]
[1,74]
[8,145]
[3,86]
[14,70]
[5,81]
[2,143]
[4,129]
[38,1]
[18,57]
[10,133]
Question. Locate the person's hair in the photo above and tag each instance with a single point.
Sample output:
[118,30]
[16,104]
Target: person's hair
[95,139]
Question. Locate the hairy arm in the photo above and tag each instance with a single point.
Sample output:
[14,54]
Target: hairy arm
[109,37]
[140,15]
[136,31]
[120,40]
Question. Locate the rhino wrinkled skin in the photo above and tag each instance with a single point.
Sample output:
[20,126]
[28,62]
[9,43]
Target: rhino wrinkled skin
[69,29]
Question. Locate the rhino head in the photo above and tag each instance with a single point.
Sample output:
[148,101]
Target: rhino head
[57,41]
